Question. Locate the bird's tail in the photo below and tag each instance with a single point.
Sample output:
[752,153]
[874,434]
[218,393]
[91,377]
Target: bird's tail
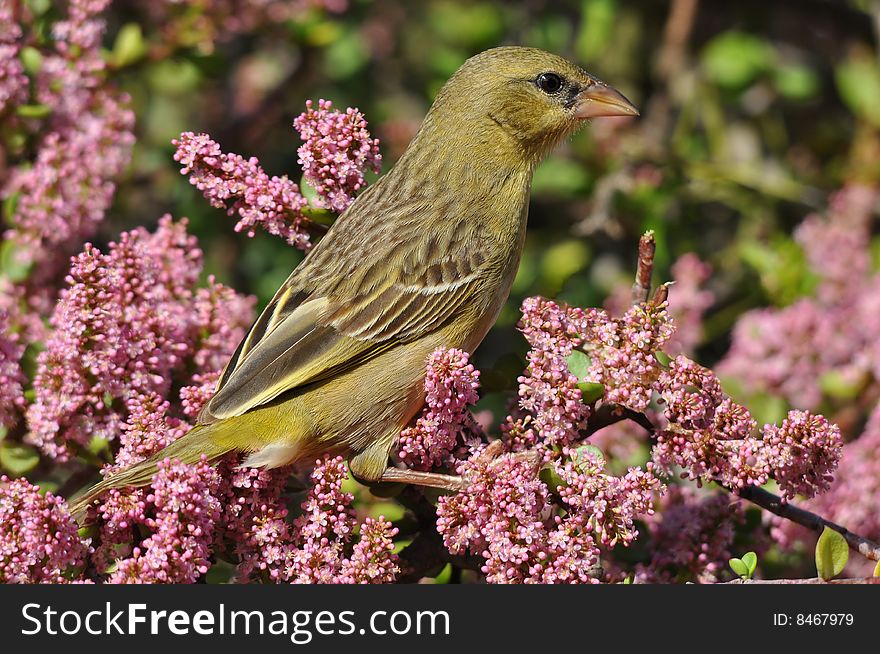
[201,440]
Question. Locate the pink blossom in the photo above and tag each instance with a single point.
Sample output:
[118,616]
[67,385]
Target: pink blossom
[804,452]
[372,561]
[316,547]
[325,527]
[125,326]
[338,150]
[689,301]
[608,504]
[623,353]
[690,393]
[852,498]
[239,185]
[691,536]
[506,514]
[451,385]
[12,379]
[253,524]
[13,81]
[38,538]
[85,144]
[551,412]
[186,510]
[791,352]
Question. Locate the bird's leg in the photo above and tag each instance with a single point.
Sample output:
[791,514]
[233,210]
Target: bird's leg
[431,479]
[448,482]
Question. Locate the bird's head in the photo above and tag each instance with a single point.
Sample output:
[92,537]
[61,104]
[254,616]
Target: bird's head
[525,98]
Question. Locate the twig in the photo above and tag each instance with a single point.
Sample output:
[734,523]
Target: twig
[676,34]
[642,285]
[811,581]
[773,503]
[758,496]
[766,500]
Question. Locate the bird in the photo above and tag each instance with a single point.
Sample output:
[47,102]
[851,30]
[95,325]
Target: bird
[425,257]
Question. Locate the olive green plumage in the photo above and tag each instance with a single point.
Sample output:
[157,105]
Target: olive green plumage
[423,258]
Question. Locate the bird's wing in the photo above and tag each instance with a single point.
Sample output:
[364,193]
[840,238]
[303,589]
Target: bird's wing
[336,312]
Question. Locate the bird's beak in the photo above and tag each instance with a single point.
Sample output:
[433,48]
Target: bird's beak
[599,99]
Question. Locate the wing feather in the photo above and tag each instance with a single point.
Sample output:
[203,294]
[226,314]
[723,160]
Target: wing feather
[341,307]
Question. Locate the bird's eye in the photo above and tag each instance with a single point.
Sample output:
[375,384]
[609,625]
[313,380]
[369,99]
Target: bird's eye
[549,82]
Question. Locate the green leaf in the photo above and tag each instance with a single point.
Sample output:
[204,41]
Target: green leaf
[550,477]
[11,265]
[18,459]
[39,7]
[796,82]
[129,46]
[579,363]
[31,59]
[858,81]
[309,193]
[591,391]
[768,409]
[739,567]
[662,358]
[751,561]
[558,176]
[734,59]
[33,110]
[346,55]
[832,553]
[837,385]
[598,28]
[562,260]
[221,572]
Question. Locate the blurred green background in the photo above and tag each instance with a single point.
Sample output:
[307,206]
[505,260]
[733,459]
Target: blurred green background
[752,112]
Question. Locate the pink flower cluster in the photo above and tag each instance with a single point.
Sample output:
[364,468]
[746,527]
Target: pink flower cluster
[799,351]
[229,181]
[804,452]
[13,81]
[185,510]
[548,391]
[451,385]
[253,525]
[507,516]
[12,377]
[38,538]
[852,498]
[623,352]
[128,323]
[619,354]
[85,143]
[338,150]
[316,547]
[688,301]
[690,537]
[712,437]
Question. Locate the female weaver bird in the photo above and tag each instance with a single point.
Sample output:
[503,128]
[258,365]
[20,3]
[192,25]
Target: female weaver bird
[423,258]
